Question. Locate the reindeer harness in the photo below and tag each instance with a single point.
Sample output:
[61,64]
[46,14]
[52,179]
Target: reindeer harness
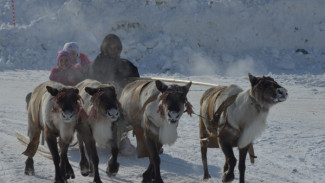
[213,126]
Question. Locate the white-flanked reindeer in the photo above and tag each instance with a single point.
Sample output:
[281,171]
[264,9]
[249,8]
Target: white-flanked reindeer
[55,110]
[154,110]
[104,114]
[234,118]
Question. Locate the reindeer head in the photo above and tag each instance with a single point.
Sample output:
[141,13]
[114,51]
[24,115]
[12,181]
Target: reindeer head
[265,91]
[172,101]
[67,102]
[105,101]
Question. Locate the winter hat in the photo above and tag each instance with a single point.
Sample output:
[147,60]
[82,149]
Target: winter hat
[71,46]
[61,54]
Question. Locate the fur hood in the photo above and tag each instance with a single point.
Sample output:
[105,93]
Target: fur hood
[111,39]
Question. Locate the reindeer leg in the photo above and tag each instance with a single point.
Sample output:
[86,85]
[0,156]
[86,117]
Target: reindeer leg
[113,165]
[83,164]
[53,146]
[85,132]
[66,169]
[33,133]
[204,149]
[154,154]
[228,175]
[241,165]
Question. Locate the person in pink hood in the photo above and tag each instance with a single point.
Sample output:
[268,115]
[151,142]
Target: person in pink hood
[77,57]
[66,72]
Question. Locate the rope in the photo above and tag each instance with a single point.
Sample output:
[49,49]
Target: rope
[210,120]
[190,138]
[197,90]
[13,12]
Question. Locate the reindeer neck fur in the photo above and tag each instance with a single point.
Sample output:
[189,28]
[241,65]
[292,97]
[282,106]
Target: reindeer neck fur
[158,126]
[248,117]
[102,130]
[101,126]
[53,120]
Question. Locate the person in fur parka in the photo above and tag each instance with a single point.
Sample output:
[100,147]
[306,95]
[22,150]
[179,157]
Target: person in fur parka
[108,67]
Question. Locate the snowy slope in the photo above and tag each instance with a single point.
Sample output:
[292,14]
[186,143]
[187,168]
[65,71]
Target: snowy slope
[227,37]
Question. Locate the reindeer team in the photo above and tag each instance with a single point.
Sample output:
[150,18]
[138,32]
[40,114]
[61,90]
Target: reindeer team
[229,117]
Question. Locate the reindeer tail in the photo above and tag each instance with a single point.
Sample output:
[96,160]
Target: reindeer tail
[252,155]
[32,146]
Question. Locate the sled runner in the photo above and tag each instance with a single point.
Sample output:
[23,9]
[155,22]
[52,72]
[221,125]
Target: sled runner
[42,150]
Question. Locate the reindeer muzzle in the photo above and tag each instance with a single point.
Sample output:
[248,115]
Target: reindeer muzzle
[68,116]
[173,116]
[113,114]
[282,95]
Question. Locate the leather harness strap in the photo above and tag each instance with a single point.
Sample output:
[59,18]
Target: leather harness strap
[223,109]
[136,97]
[211,114]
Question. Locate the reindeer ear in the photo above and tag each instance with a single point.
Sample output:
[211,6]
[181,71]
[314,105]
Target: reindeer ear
[187,87]
[91,91]
[252,79]
[52,91]
[109,88]
[162,87]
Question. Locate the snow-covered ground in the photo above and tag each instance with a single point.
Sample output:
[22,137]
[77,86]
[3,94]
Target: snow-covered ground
[292,148]
[213,41]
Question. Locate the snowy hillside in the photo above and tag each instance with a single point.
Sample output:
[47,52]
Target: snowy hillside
[228,37]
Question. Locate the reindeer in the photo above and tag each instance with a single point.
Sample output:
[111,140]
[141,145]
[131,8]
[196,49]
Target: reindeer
[55,109]
[238,118]
[154,110]
[103,108]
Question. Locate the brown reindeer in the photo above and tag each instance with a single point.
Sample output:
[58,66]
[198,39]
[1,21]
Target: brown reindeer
[154,110]
[103,109]
[55,109]
[235,118]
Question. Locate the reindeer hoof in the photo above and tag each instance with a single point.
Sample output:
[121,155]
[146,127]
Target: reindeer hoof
[60,181]
[228,177]
[206,176]
[97,181]
[143,181]
[111,174]
[84,169]
[29,168]
[69,175]
[29,172]
[158,181]
[112,169]
[85,174]
[146,179]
